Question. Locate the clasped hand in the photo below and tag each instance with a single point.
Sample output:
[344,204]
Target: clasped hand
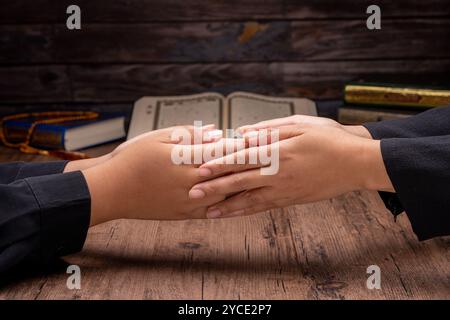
[318,159]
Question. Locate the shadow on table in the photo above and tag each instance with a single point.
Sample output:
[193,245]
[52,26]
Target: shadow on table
[321,269]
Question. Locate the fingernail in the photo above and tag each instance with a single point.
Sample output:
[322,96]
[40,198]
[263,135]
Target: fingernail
[214,213]
[204,172]
[207,126]
[196,194]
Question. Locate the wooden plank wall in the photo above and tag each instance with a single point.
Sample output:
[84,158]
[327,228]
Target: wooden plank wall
[130,48]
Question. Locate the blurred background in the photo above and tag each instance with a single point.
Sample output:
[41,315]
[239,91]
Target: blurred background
[131,48]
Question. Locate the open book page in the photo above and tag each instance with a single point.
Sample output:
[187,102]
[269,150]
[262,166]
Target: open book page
[247,108]
[151,113]
[239,108]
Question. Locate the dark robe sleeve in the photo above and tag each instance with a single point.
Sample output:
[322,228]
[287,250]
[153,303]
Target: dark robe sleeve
[10,172]
[419,169]
[434,122]
[41,217]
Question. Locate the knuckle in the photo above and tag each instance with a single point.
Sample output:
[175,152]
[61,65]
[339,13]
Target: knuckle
[254,197]
[219,168]
[238,181]
[286,154]
[225,208]
[210,189]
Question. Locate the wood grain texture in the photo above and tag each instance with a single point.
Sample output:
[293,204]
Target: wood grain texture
[121,83]
[22,11]
[43,84]
[287,41]
[314,251]
[124,108]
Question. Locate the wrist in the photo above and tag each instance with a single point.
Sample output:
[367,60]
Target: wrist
[359,131]
[373,174]
[102,189]
[79,165]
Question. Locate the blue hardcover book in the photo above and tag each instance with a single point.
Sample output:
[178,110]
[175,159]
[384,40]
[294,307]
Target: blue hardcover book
[69,136]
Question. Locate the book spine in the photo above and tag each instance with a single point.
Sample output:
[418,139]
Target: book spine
[47,139]
[393,96]
[354,116]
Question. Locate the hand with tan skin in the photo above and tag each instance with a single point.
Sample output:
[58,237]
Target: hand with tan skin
[140,181]
[316,162]
[78,165]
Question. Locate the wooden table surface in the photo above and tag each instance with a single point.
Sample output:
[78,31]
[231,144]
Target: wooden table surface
[314,251]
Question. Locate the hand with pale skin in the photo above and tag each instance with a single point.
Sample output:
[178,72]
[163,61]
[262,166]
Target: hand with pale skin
[303,121]
[316,162]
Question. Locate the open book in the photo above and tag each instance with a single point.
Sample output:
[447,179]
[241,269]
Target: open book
[231,112]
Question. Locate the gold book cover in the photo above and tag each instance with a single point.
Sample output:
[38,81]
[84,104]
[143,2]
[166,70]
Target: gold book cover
[395,96]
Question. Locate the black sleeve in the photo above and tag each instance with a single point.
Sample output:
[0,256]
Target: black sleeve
[42,218]
[434,122]
[419,169]
[10,172]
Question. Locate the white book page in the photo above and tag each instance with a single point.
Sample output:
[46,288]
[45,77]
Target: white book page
[151,113]
[240,108]
[174,112]
[247,108]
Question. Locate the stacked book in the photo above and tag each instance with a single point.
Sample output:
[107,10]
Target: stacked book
[369,102]
[68,136]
